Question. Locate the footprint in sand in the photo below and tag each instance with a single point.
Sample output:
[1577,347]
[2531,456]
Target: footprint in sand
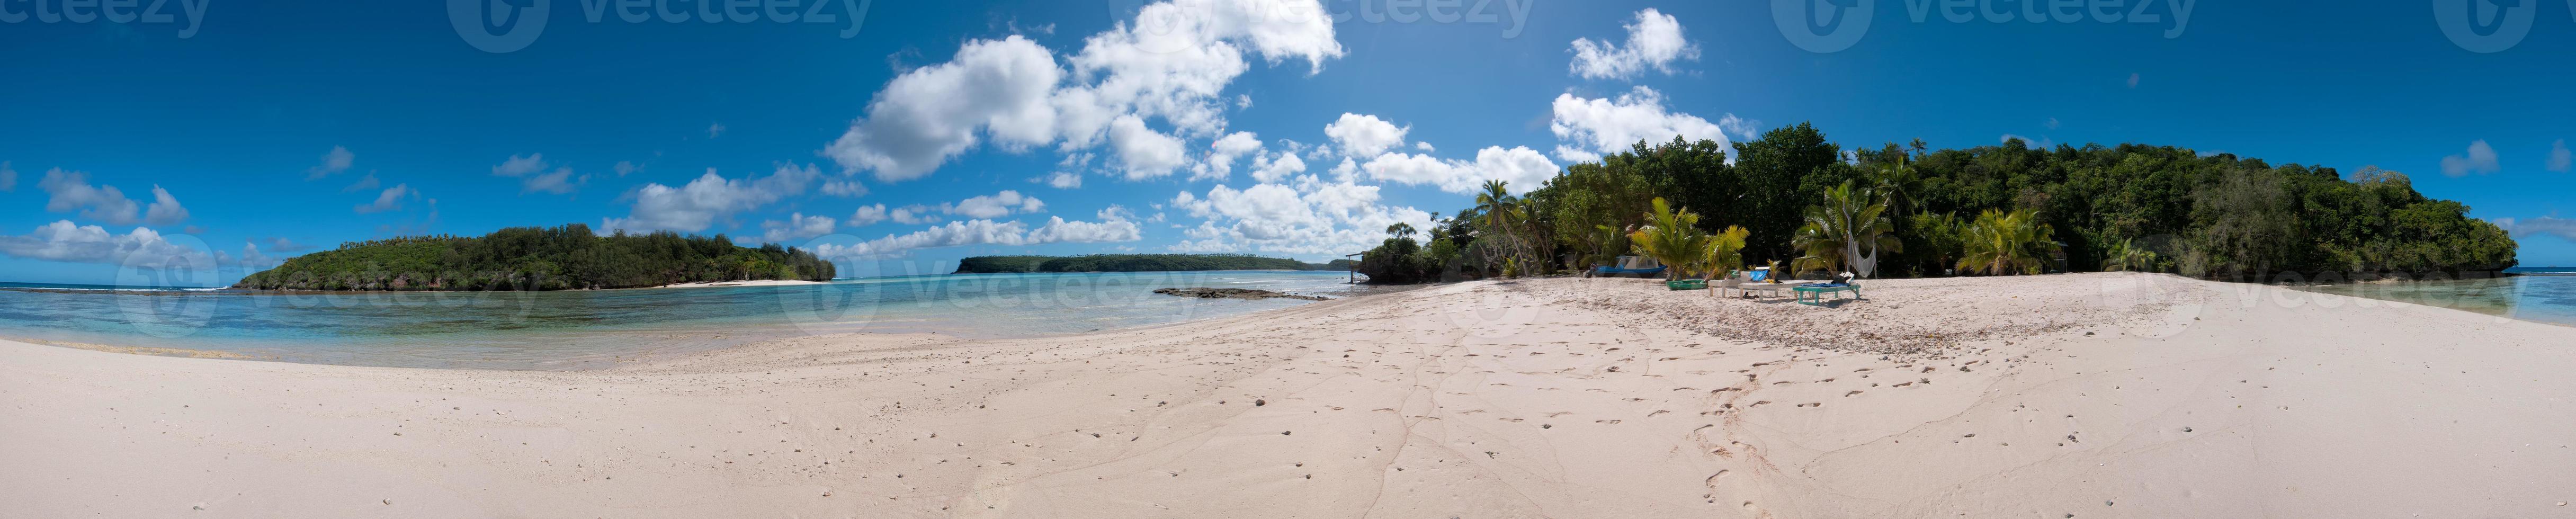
[1854,392]
[1812,404]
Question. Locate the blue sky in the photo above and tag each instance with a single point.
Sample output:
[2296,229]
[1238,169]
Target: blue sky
[940,130]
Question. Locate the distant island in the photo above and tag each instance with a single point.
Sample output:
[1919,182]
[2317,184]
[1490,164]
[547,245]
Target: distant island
[1135,263]
[538,258]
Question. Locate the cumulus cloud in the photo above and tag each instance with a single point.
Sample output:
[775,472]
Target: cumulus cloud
[997,88]
[1275,166]
[2026,142]
[390,200]
[66,242]
[1221,155]
[1520,168]
[335,161]
[1591,128]
[988,232]
[533,177]
[695,206]
[2481,159]
[1170,63]
[915,214]
[1364,135]
[2562,228]
[363,184]
[71,190]
[1063,180]
[797,226]
[1306,216]
[1142,152]
[1655,41]
[868,215]
[844,188]
[2559,160]
[995,205]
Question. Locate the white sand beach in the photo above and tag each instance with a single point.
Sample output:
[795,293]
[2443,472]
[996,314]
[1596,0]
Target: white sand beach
[2089,395]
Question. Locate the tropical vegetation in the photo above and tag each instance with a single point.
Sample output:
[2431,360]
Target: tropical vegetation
[537,258]
[1909,210]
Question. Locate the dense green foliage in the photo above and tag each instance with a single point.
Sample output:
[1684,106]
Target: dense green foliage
[537,258]
[1135,263]
[2216,216]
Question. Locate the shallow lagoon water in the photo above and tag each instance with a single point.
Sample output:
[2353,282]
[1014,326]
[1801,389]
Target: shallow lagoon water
[585,329]
[2545,295]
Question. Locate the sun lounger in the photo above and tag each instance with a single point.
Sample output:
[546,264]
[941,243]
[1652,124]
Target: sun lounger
[1815,294]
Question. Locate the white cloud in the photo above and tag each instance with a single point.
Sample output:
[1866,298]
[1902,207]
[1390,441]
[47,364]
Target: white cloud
[1273,167]
[2559,160]
[334,161]
[390,200]
[1310,217]
[996,88]
[1521,168]
[1221,156]
[695,206]
[2481,160]
[66,242]
[533,177]
[1114,227]
[1742,129]
[797,226]
[1591,128]
[363,184]
[915,214]
[714,130]
[70,190]
[624,168]
[1364,135]
[1063,180]
[1142,152]
[844,188]
[165,209]
[1655,41]
[8,178]
[1171,63]
[2562,228]
[867,215]
[1425,147]
[995,205]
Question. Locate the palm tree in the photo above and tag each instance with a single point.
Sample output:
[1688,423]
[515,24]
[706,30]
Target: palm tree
[2001,243]
[1896,184]
[1837,232]
[1496,203]
[1400,230]
[1725,251]
[1672,237]
[2127,256]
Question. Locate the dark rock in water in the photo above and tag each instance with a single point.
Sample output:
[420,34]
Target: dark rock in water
[1231,293]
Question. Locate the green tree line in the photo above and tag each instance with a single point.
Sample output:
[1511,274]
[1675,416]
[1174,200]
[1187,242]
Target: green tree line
[1134,263]
[1906,210]
[537,258]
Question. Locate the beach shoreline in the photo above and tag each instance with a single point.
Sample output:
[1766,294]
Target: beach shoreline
[2100,395]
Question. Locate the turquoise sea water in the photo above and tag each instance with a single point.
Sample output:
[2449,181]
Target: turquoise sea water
[2545,294]
[578,329]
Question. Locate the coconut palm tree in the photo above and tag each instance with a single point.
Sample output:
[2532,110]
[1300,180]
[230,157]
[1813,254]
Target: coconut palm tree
[1672,237]
[2127,256]
[1848,231]
[2000,243]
